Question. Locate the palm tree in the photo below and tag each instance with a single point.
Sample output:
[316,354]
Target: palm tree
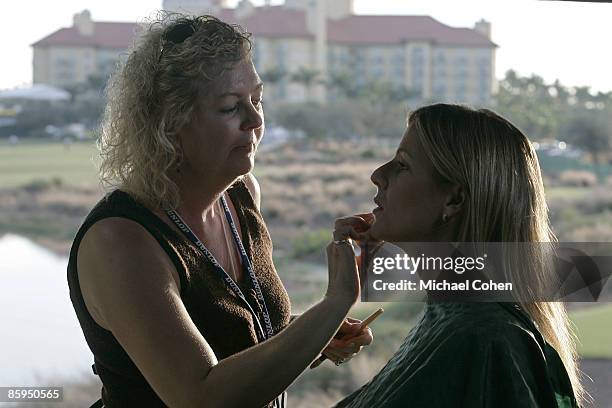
[344,84]
[591,130]
[273,76]
[306,77]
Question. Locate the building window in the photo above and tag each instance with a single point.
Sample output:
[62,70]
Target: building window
[484,61]
[358,55]
[256,56]
[461,60]
[417,64]
[65,76]
[376,55]
[439,72]
[281,55]
[440,57]
[331,57]
[399,72]
[64,62]
[417,53]
[377,72]
[461,74]
[398,57]
[440,89]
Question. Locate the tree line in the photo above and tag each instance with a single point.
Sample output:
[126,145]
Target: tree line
[377,109]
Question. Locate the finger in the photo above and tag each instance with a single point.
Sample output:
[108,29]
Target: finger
[349,343]
[348,350]
[337,354]
[367,217]
[332,354]
[350,323]
[335,343]
[344,232]
[348,329]
[356,222]
[347,356]
[344,251]
[364,339]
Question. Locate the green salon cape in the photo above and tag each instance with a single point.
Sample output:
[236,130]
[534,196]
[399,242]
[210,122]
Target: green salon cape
[470,355]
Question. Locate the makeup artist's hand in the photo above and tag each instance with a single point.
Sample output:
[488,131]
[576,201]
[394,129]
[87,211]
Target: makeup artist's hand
[357,228]
[348,341]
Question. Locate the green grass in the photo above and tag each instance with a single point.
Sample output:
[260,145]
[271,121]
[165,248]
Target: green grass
[555,165]
[31,162]
[594,330]
[567,193]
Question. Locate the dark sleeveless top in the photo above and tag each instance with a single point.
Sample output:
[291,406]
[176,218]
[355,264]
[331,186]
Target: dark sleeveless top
[217,312]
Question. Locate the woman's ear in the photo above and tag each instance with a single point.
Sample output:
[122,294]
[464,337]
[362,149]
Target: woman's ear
[454,201]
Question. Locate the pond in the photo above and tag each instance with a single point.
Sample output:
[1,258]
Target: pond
[41,339]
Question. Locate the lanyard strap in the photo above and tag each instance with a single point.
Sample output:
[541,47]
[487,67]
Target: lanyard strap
[246,263]
[280,401]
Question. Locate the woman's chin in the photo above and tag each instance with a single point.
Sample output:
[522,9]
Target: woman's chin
[244,166]
[376,232]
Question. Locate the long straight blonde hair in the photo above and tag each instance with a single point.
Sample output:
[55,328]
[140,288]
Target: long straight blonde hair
[497,166]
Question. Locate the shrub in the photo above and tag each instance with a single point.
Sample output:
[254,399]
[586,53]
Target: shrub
[311,242]
[343,119]
[578,178]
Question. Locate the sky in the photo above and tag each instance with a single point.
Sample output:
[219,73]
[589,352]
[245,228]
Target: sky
[569,41]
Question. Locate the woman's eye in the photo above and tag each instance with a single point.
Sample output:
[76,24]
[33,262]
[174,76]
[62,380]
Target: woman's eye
[230,110]
[402,166]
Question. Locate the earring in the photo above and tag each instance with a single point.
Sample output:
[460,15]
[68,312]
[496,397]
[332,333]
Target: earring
[444,218]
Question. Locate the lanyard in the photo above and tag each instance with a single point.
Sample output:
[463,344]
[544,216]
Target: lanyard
[246,263]
[280,401]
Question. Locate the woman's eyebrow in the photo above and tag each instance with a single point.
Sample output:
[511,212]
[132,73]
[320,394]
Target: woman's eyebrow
[239,94]
[404,152]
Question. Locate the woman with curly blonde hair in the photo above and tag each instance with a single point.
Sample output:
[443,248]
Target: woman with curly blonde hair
[171,274]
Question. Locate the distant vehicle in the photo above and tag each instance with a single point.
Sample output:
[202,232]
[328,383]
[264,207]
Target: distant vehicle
[76,131]
[558,148]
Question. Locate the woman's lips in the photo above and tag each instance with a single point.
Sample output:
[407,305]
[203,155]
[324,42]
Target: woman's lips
[248,148]
[377,202]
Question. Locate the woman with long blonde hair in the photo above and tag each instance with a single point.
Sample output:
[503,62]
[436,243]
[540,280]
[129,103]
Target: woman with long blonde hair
[465,175]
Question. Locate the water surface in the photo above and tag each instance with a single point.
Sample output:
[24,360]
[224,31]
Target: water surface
[40,338]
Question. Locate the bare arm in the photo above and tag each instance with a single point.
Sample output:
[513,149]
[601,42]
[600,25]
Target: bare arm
[128,280]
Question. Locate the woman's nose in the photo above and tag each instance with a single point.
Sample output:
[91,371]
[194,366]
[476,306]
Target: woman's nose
[253,119]
[378,177]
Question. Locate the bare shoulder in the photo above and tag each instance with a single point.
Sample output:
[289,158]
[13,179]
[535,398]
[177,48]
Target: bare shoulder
[128,280]
[253,185]
[119,243]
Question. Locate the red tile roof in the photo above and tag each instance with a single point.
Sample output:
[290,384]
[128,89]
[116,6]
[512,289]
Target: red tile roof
[358,29]
[281,22]
[106,35]
[271,22]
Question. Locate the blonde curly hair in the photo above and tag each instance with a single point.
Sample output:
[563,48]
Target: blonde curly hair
[155,93]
